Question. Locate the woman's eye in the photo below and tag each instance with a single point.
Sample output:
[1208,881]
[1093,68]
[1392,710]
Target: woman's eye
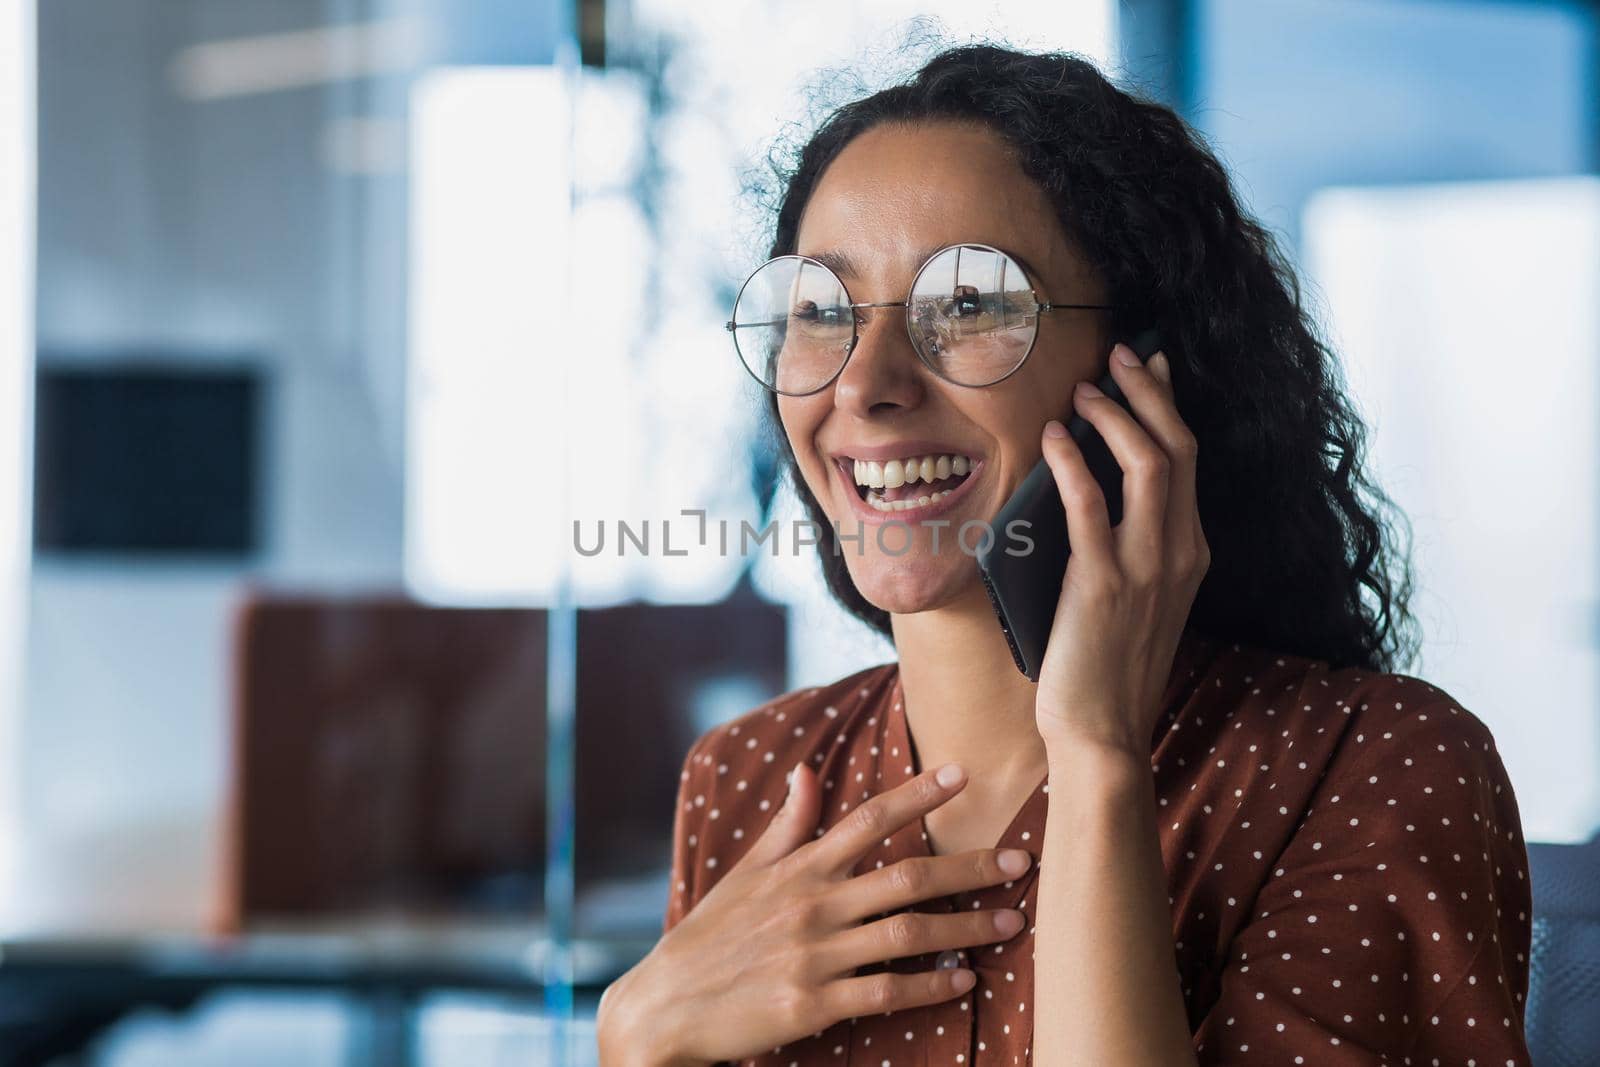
[821,316]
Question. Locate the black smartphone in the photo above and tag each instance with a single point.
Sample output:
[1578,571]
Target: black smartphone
[1023,582]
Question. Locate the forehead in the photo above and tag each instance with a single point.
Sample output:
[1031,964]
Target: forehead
[897,193]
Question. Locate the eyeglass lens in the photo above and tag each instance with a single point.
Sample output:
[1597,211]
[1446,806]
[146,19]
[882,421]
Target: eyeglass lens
[972,317]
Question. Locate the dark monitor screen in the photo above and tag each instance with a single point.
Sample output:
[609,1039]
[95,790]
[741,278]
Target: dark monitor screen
[147,459]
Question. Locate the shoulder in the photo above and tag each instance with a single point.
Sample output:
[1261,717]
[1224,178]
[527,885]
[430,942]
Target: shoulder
[1406,723]
[1375,759]
[760,746]
[1286,744]
[794,714]
[1375,812]
[735,775]
[1340,717]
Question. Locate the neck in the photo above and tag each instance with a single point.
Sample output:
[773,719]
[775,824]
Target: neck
[965,700]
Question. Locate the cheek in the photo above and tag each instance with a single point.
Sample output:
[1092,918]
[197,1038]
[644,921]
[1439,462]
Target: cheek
[1015,427]
[800,420]
[1043,396]
[1048,393]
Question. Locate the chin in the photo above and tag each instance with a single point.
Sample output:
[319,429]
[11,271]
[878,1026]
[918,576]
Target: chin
[907,585]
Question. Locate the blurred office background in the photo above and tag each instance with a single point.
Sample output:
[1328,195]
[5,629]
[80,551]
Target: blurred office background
[324,318]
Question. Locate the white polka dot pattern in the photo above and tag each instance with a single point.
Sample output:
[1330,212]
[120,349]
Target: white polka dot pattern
[1344,856]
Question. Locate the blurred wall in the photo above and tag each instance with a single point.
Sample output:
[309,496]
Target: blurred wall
[16,378]
[267,227]
[205,228]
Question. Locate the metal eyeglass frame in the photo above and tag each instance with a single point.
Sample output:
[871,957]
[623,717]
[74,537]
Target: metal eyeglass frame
[855,326]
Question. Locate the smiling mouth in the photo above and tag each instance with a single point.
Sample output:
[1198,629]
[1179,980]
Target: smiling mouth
[900,485]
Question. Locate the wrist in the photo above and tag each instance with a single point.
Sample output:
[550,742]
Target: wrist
[630,1031]
[1096,762]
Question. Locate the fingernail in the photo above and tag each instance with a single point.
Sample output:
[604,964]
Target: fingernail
[962,980]
[794,772]
[1053,428]
[1007,922]
[1161,368]
[948,775]
[1014,861]
[1125,356]
[1088,388]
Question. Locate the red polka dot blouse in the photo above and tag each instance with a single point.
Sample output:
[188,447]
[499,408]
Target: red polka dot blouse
[1343,850]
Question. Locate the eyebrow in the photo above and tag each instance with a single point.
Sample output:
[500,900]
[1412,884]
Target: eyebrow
[844,266]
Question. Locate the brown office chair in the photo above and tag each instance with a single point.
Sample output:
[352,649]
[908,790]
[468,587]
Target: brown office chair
[386,755]
[651,677]
[389,755]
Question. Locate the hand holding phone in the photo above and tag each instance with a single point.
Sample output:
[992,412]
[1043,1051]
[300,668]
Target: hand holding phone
[1025,586]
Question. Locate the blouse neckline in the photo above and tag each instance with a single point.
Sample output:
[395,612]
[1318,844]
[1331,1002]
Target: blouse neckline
[1025,830]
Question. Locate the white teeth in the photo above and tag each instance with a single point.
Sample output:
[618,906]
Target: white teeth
[906,505]
[898,472]
[909,471]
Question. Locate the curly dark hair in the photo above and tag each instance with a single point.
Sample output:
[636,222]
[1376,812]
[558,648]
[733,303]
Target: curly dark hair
[1148,205]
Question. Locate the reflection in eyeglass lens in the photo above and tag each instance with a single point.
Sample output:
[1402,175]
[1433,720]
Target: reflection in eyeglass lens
[973,314]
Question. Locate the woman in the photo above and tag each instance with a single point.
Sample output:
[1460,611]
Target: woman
[1217,829]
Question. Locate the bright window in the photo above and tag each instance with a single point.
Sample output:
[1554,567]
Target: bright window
[1467,317]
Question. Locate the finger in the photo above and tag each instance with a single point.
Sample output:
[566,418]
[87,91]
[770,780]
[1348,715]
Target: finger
[794,824]
[1149,394]
[910,933]
[1161,367]
[1088,522]
[921,878]
[1149,389]
[850,838]
[1182,446]
[1146,469]
[888,991]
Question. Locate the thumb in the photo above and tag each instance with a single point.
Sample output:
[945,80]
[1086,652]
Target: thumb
[795,822]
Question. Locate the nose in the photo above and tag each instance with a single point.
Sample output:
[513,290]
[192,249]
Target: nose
[883,369]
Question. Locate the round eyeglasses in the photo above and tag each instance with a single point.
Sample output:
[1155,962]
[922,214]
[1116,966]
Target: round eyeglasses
[972,315]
